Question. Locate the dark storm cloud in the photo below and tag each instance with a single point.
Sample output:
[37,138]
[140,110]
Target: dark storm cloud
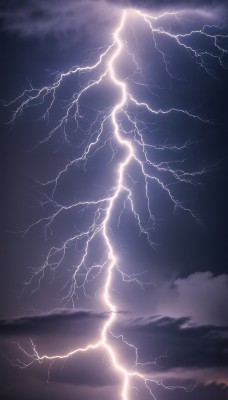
[40,18]
[182,353]
[186,346]
[51,324]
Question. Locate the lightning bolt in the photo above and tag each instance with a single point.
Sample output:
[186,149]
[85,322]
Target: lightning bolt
[136,151]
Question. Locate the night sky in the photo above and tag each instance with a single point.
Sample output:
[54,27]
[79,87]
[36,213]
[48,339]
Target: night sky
[177,317]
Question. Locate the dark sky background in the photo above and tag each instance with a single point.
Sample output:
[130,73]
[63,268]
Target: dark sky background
[181,319]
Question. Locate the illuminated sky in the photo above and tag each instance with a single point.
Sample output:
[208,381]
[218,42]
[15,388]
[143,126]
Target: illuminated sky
[178,319]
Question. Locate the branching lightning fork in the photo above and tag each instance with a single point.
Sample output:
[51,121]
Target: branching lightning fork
[136,151]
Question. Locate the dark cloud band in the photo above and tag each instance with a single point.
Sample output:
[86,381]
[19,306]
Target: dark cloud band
[186,345]
[33,18]
[51,324]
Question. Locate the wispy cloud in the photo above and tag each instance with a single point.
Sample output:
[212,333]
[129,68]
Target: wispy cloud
[200,296]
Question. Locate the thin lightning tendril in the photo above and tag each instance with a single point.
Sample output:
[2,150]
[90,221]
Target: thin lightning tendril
[136,151]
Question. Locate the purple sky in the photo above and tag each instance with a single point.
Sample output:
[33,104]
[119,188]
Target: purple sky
[178,320]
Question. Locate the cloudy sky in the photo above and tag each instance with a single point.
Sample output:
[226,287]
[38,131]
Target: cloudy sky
[177,317]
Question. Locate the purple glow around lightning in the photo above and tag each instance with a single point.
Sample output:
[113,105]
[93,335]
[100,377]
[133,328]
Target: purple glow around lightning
[135,151]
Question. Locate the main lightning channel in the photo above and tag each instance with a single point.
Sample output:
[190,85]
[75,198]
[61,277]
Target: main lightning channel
[104,342]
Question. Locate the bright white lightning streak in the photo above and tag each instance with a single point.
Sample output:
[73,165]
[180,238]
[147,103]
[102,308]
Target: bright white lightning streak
[104,206]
